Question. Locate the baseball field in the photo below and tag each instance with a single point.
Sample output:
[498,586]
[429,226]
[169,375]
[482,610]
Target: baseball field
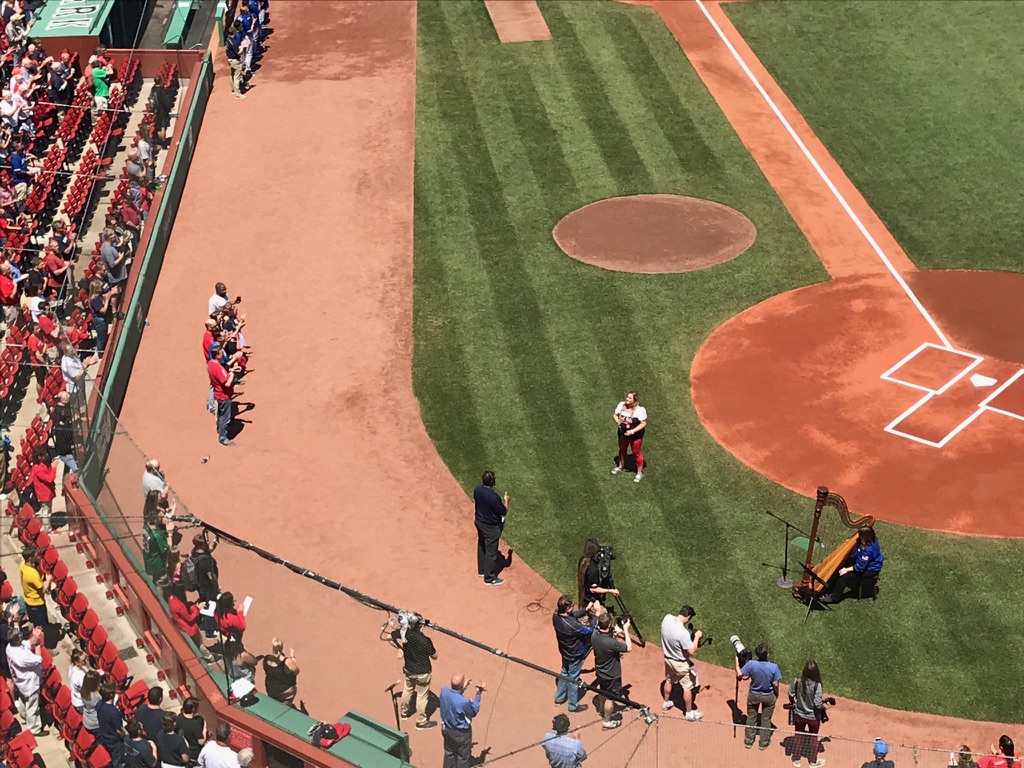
[521,353]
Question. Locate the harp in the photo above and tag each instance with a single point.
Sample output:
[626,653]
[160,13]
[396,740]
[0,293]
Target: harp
[818,579]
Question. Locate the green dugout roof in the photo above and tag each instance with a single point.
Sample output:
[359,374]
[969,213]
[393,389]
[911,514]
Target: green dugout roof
[73,18]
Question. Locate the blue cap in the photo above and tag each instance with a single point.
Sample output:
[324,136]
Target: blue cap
[881,748]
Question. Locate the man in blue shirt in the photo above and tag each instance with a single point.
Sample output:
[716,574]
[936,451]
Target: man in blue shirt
[764,679]
[563,750]
[110,733]
[573,646]
[457,713]
[490,522]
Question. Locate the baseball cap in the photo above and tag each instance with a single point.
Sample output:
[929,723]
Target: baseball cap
[881,748]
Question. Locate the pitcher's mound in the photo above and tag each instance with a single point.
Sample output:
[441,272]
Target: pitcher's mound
[654,234]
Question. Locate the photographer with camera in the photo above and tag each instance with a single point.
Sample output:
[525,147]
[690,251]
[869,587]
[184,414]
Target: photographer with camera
[573,646]
[457,713]
[679,647]
[764,677]
[808,707]
[594,576]
[609,643]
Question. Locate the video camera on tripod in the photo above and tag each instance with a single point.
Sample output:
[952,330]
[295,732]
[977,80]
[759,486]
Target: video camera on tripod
[603,558]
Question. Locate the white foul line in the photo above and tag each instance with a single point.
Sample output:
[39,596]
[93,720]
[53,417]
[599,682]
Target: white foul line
[889,375]
[824,177]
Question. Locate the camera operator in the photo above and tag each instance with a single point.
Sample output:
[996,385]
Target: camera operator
[609,643]
[679,648]
[573,646]
[764,679]
[593,582]
[807,701]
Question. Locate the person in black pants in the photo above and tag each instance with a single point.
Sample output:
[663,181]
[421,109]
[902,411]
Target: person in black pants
[490,522]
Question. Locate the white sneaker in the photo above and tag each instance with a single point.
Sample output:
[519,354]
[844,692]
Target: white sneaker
[668,705]
[609,724]
[820,762]
[616,470]
[639,477]
[796,764]
[694,715]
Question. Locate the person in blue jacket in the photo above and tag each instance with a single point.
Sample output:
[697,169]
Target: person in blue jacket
[867,564]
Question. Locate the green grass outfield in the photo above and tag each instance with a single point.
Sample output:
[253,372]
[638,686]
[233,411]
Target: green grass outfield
[921,104]
[521,354]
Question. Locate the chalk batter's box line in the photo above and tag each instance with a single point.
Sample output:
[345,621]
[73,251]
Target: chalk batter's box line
[888,375]
[984,404]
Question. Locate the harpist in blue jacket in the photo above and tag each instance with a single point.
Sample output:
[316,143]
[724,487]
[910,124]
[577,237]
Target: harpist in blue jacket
[867,564]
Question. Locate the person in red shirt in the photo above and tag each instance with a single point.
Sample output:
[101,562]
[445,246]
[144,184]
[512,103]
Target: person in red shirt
[37,346]
[43,476]
[186,618]
[1002,756]
[230,620]
[9,298]
[223,382]
[55,268]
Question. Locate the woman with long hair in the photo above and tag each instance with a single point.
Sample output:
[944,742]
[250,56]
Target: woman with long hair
[230,620]
[964,758]
[590,585]
[90,694]
[239,664]
[807,699]
[1002,756]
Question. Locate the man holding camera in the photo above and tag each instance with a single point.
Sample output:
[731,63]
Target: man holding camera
[417,652]
[679,648]
[573,646]
[457,713]
[609,643]
[764,679]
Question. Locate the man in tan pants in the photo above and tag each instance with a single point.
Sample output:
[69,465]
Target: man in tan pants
[235,46]
[417,652]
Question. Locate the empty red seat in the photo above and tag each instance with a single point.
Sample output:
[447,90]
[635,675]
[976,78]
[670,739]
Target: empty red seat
[108,657]
[78,609]
[90,621]
[67,592]
[97,640]
[72,725]
[99,758]
[62,705]
[83,746]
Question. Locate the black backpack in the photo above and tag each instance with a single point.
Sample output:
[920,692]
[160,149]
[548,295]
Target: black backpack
[325,735]
[190,573]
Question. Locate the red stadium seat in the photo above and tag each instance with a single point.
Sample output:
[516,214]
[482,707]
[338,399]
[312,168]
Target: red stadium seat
[97,641]
[99,758]
[84,744]
[90,621]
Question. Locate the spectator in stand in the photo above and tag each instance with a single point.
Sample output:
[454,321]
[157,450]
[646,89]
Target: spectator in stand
[110,733]
[114,258]
[43,476]
[21,173]
[63,434]
[218,753]
[137,181]
[280,673]
[881,751]
[139,751]
[573,646]
[17,31]
[186,617]
[90,696]
[34,586]
[171,748]
[153,479]
[38,346]
[161,103]
[230,619]
[65,243]
[56,270]
[99,306]
[457,713]
[58,83]
[72,369]
[964,758]
[146,155]
[192,727]
[10,298]
[26,664]
[764,679]
[223,382]
[563,749]
[417,652]
[245,757]
[150,714]
[76,676]
[102,71]
[610,643]
[239,664]
[1002,756]
[236,47]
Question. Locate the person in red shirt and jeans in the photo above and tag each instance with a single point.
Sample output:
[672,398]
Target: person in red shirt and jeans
[223,382]
[43,476]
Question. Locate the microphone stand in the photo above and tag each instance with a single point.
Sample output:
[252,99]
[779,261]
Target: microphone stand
[394,702]
[785,582]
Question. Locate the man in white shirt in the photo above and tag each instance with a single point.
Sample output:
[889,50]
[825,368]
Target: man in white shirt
[217,754]
[72,368]
[679,648]
[218,300]
[26,666]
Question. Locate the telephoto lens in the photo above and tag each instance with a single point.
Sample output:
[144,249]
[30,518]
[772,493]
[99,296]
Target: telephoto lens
[735,640]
